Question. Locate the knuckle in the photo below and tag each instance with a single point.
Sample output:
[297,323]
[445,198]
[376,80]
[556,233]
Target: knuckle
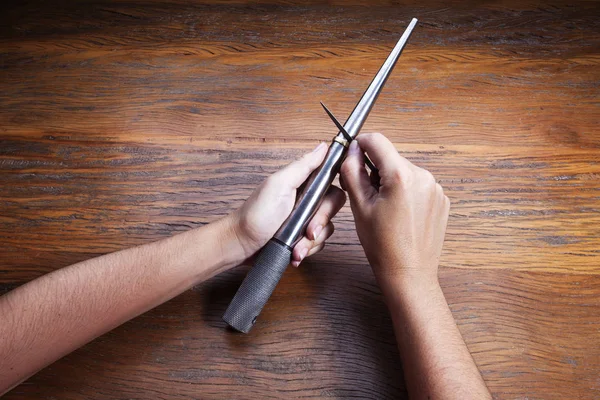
[426,179]
[428,176]
[397,176]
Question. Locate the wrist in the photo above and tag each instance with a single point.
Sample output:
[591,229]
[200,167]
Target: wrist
[198,254]
[407,287]
[233,248]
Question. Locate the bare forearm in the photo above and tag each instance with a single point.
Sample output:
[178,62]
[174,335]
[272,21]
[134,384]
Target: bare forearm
[436,361]
[53,315]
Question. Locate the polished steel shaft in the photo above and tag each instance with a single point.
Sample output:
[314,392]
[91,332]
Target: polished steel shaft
[293,228]
[361,111]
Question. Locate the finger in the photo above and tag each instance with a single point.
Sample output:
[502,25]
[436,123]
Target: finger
[382,152]
[354,173]
[301,250]
[307,247]
[316,249]
[446,211]
[343,184]
[325,234]
[334,200]
[297,172]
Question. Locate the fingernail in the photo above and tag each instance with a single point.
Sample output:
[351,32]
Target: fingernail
[353,147]
[317,232]
[318,147]
[302,254]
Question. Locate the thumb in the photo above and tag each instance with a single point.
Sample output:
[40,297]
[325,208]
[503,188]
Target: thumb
[355,176]
[297,172]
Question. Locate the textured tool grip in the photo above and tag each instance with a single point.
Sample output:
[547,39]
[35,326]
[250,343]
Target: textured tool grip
[258,285]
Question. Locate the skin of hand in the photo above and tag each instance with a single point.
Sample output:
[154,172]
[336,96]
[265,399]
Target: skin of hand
[267,208]
[50,316]
[401,215]
[401,221]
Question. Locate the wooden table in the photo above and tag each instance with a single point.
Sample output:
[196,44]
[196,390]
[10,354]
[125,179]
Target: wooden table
[127,122]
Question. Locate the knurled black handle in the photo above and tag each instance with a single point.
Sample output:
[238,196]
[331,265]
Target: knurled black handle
[258,285]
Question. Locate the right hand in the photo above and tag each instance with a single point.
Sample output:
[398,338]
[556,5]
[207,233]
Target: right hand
[401,221]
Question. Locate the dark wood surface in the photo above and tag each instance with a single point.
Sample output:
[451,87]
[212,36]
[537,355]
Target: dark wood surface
[127,122]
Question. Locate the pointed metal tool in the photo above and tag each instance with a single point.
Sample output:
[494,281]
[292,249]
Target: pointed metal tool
[274,258]
[359,115]
[347,135]
[337,123]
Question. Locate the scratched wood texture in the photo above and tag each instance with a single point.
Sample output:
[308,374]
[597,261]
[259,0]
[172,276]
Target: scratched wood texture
[127,122]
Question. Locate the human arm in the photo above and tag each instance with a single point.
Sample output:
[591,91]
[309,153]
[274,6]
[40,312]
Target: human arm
[401,222]
[55,314]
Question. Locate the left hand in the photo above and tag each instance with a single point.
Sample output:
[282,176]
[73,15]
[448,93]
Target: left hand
[272,202]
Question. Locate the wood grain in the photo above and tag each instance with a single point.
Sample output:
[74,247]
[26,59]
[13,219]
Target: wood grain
[123,122]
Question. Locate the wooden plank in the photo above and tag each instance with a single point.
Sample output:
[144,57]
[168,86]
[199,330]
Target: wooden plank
[524,329]
[511,207]
[235,69]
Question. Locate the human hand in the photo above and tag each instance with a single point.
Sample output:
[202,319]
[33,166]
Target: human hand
[272,202]
[400,220]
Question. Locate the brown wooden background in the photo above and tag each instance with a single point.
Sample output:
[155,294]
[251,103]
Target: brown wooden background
[126,122]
